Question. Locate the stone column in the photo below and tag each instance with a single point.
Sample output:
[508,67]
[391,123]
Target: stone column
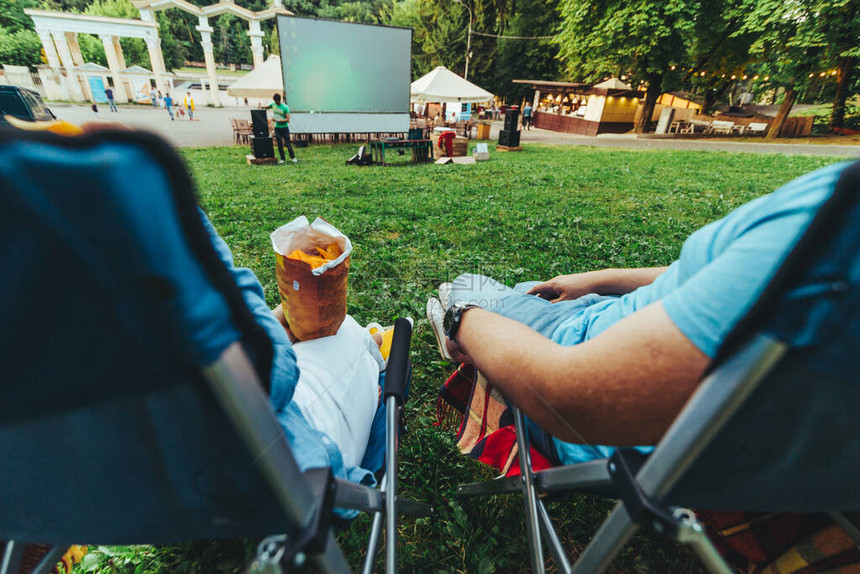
[536,100]
[119,92]
[256,35]
[65,54]
[156,58]
[50,49]
[208,54]
[78,59]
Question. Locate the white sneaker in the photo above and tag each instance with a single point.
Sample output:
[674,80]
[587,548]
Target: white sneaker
[280,162]
[436,316]
[295,160]
[445,294]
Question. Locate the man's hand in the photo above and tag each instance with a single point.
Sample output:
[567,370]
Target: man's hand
[604,282]
[278,312]
[458,353]
[565,287]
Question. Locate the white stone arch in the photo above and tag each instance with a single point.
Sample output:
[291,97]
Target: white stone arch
[148,8]
[59,34]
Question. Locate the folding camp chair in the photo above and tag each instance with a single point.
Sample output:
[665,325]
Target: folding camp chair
[774,426]
[134,406]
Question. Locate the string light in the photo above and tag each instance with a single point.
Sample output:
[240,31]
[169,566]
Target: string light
[673,67]
[733,77]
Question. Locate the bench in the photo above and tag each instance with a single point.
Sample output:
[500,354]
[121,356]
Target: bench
[721,127]
[757,128]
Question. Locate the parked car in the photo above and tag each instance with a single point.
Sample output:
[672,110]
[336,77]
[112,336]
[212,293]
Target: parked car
[23,104]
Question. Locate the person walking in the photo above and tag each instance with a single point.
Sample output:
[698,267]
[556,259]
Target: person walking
[168,103]
[153,98]
[160,100]
[282,127]
[111,103]
[189,106]
[527,116]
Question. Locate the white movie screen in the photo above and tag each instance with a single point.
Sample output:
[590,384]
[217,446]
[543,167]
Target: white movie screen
[354,77]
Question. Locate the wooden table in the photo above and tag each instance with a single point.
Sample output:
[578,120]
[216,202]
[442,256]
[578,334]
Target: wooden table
[422,150]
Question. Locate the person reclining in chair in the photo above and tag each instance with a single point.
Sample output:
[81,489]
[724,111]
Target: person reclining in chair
[610,357]
[324,391]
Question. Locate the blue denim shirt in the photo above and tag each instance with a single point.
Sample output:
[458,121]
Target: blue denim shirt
[311,448]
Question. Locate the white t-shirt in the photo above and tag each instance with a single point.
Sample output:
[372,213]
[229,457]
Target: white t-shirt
[338,386]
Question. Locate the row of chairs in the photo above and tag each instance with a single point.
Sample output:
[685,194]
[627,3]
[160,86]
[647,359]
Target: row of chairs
[178,439]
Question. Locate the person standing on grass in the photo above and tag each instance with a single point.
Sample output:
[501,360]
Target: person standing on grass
[168,103]
[109,94]
[282,127]
[189,106]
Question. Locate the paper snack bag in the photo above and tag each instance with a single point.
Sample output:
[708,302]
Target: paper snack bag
[312,268]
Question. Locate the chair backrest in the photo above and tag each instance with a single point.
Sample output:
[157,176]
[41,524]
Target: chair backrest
[757,126]
[112,302]
[794,444]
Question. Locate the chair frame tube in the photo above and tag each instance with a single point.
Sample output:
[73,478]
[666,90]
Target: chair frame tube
[529,494]
[729,386]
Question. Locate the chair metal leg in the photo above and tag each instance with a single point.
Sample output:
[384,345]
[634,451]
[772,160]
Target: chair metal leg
[555,548]
[12,557]
[375,535]
[529,494]
[391,428]
[610,538]
[690,531]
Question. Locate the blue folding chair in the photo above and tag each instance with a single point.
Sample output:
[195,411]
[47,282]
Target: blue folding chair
[135,402]
[774,426]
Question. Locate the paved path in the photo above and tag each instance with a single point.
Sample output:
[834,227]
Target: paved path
[213,129]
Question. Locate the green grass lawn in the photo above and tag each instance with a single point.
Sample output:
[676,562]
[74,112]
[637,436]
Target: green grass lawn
[520,216]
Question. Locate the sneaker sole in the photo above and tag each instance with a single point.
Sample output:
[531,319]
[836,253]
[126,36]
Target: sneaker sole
[440,337]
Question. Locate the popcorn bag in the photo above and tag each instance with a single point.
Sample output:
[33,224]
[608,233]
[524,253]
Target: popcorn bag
[312,268]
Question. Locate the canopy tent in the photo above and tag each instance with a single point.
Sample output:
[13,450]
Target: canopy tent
[262,82]
[443,85]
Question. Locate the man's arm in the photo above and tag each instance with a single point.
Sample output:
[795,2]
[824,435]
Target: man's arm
[603,282]
[624,387]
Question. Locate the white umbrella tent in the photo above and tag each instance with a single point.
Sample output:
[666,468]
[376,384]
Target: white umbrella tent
[444,86]
[261,82]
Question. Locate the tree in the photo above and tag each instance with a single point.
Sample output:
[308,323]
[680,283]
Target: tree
[12,17]
[526,59]
[21,48]
[612,37]
[797,39]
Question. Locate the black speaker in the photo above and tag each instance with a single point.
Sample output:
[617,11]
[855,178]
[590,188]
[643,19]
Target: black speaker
[259,123]
[509,138]
[511,117]
[262,147]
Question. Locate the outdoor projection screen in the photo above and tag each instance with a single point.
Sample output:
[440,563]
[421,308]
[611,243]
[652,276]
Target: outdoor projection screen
[345,78]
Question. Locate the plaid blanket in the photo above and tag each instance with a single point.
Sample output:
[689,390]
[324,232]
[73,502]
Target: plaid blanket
[484,422]
[753,543]
[759,543]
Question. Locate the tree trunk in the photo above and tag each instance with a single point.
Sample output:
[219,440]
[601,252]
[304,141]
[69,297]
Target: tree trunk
[782,114]
[843,81]
[655,84]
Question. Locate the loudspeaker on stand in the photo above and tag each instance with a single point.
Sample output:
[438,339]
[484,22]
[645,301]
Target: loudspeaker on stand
[259,123]
[262,147]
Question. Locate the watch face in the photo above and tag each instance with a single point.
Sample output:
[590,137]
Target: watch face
[448,321]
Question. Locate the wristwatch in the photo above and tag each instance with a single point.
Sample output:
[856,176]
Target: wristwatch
[453,317]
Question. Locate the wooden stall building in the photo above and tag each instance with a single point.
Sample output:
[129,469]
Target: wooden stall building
[587,109]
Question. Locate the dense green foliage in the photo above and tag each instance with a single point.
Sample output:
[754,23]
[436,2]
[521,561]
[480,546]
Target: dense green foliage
[799,50]
[518,217]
